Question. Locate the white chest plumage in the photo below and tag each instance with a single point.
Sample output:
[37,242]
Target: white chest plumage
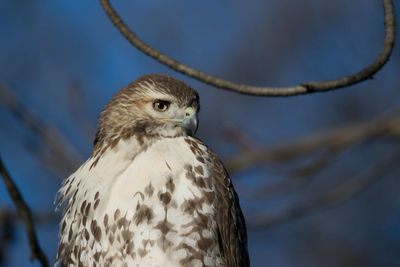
[142,208]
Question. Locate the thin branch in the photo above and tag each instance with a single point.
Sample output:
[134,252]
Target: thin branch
[58,144]
[77,108]
[335,139]
[25,214]
[337,196]
[38,217]
[239,138]
[6,234]
[319,163]
[303,88]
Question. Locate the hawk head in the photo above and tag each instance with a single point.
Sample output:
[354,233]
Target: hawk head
[152,106]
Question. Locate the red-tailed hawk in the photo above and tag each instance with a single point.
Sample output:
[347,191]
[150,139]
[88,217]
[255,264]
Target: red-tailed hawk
[151,194]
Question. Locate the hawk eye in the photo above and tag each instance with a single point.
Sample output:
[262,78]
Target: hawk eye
[161,105]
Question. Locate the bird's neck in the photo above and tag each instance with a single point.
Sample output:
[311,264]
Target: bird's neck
[118,149]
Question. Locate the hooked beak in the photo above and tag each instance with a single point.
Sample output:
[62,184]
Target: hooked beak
[189,122]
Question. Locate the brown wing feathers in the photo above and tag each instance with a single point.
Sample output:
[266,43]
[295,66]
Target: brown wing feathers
[230,220]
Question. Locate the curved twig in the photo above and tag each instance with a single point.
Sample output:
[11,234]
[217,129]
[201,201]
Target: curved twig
[303,88]
[26,216]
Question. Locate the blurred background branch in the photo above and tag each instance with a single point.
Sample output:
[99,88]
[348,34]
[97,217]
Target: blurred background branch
[332,198]
[330,143]
[61,155]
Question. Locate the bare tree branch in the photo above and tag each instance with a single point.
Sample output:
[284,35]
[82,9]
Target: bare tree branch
[303,88]
[6,234]
[38,217]
[332,141]
[65,153]
[8,223]
[333,198]
[25,214]
[77,108]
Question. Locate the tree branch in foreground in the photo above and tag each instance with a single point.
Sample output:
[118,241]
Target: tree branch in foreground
[26,216]
[303,88]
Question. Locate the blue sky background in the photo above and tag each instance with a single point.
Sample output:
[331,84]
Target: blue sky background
[65,60]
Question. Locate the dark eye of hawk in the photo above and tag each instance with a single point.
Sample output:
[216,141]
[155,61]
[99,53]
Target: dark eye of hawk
[161,105]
